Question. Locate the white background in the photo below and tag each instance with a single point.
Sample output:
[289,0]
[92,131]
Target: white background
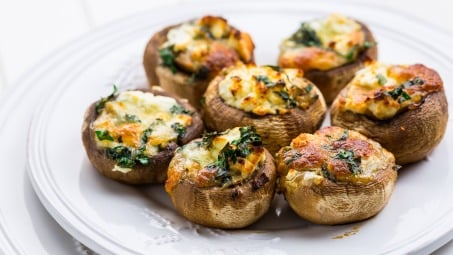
[32,29]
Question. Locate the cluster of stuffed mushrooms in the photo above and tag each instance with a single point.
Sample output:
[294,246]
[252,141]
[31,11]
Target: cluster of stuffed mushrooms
[225,135]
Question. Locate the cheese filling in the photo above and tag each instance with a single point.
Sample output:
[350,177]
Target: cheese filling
[205,44]
[219,159]
[337,155]
[137,125]
[382,91]
[266,90]
[324,44]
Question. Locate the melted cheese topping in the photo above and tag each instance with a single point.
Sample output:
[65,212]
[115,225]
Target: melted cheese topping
[341,39]
[132,113]
[382,91]
[192,162]
[334,154]
[208,44]
[263,90]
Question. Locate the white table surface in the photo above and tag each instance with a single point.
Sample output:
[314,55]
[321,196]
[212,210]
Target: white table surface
[30,30]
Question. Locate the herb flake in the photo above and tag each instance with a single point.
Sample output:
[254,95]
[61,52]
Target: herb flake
[132,118]
[351,160]
[179,109]
[381,79]
[307,36]
[404,97]
[179,128]
[265,80]
[101,103]
[167,55]
[207,138]
[368,44]
[103,135]
[145,135]
[238,148]
[291,103]
[395,93]
[292,158]
[327,174]
[122,155]
[140,155]
[126,157]
[416,81]
[275,68]
[350,55]
[344,136]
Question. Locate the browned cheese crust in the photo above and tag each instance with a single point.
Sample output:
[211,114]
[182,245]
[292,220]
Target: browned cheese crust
[156,170]
[335,196]
[411,134]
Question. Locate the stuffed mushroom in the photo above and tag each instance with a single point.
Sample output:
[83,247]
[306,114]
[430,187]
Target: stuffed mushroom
[279,103]
[403,107]
[131,136]
[183,58]
[336,176]
[225,179]
[329,50]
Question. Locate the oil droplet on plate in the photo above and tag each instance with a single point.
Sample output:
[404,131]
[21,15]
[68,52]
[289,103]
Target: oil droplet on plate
[348,233]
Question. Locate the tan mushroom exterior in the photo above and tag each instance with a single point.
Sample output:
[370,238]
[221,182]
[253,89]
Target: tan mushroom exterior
[232,207]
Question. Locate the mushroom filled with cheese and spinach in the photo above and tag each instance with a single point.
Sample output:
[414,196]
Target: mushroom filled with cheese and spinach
[224,179]
[336,176]
[183,58]
[131,136]
[329,50]
[279,103]
[403,107]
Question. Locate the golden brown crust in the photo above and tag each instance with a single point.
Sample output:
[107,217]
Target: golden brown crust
[156,170]
[276,130]
[330,82]
[232,207]
[410,135]
[324,198]
[431,79]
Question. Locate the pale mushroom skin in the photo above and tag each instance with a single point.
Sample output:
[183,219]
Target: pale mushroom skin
[183,83]
[229,208]
[411,134]
[156,170]
[234,206]
[335,196]
[331,81]
[276,130]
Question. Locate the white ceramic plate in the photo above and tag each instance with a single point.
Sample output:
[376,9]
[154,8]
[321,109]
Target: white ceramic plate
[25,226]
[113,218]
